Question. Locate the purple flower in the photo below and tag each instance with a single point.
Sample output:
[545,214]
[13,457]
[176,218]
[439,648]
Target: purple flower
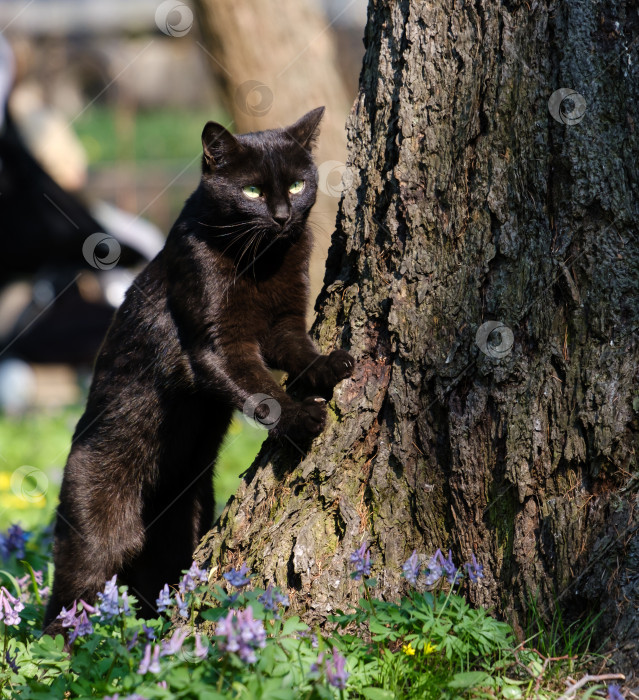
[307,634]
[452,573]
[89,608]
[433,569]
[82,627]
[336,672]
[109,605]
[272,597]
[12,661]
[149,632]
[411,568]
[238,577]
[150,663]
[361,558]
[319,664]
[334,667]
[164,599]
[25,581]
[10,607]
[13,542]
[201,650]
[173,645]
[182,606]
[78,621]
[474,570]
[614,693]
[134,640]
[243,634]
[68,616]
[192,577]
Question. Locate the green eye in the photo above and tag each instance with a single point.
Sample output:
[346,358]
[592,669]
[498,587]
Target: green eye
[252,192]
[296,187]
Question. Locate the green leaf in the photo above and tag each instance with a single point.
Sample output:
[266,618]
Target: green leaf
[293,624]
[469,679]
[377,694]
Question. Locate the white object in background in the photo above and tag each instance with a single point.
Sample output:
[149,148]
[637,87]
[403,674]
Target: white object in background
[133,231]
[7,74]
[17,386]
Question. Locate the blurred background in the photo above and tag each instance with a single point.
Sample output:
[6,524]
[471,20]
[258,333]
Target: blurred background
[102,107]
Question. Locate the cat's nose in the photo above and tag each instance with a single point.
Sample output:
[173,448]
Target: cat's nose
[282,214]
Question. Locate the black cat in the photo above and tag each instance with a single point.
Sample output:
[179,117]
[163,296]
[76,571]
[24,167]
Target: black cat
[222,302]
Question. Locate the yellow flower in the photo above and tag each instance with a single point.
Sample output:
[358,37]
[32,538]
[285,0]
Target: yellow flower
[429,648]
[408,649]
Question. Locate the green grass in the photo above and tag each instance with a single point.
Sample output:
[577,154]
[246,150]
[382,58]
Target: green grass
[34,449]
[111,135]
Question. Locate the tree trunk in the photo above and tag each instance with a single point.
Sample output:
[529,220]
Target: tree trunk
[276,60]
[469,202]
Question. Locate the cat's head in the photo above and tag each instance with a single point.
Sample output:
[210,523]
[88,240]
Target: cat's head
[266,180]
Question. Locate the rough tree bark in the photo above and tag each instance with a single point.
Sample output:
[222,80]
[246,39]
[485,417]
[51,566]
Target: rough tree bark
[276,60]
[469,202]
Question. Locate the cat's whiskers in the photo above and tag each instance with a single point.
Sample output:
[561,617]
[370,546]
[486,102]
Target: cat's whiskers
[246,249]
[233,225]
[239,235]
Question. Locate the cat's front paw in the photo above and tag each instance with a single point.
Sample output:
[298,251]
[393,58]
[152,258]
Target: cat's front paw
[305,419]
[339,365]
[329,371]
[312,415]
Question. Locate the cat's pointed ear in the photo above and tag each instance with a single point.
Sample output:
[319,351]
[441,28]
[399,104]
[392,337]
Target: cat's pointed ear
[305,130]
[217,142]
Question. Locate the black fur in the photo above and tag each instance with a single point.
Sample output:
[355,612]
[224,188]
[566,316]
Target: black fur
[224,301]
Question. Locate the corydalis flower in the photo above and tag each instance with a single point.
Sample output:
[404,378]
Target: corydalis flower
[334,668]
[13,542]
[242,634]
[614,693]
[149,632]
[173,645]
[78,621]
[238,578]
[109,603]
[201,650]
[192,577]
[411,569]
[474,570]
[12,661]
[182,606]
[164,599]
[433,568]
[10,607]
[307,634]
[361,558]
[272,597]
[452,573]
[82,627]
[150,661]
[25,581]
